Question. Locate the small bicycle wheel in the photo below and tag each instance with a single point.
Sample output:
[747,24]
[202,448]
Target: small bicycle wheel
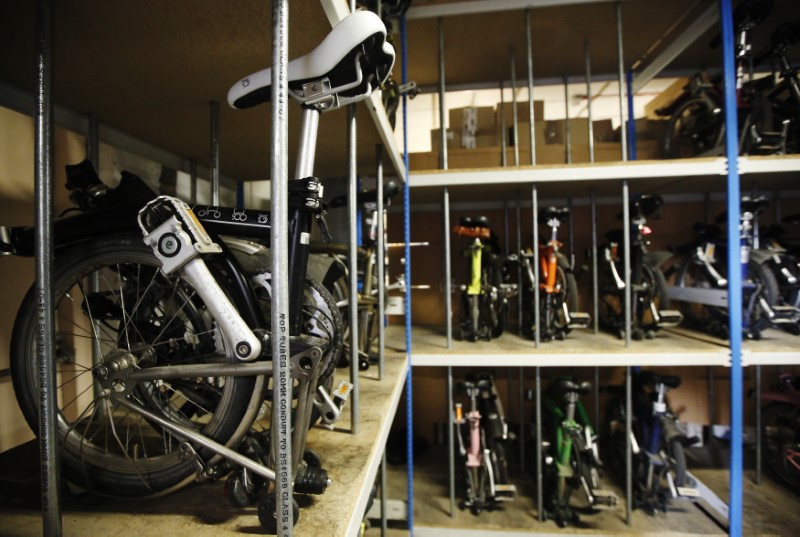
[115,308]
[693,130]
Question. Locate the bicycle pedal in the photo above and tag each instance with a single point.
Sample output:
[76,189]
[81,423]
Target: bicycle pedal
[784,314]
[505,492]
[604,499]
[579,319]
[669,318]
[687,492]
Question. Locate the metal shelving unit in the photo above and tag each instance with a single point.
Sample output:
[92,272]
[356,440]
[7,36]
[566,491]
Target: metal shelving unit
[434,350]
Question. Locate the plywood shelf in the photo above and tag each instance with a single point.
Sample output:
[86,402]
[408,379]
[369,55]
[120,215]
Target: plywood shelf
[582,348]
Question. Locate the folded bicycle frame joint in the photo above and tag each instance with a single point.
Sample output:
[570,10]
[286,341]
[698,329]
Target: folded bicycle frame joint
[178,239]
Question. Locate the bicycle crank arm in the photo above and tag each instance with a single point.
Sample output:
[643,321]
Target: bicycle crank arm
[193,436]
[178,239]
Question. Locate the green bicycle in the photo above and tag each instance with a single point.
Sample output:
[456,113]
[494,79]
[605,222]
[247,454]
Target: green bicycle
[570,454]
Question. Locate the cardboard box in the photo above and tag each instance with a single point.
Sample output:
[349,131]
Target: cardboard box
[456,140]
[603,131]
[482,118]
[523,113]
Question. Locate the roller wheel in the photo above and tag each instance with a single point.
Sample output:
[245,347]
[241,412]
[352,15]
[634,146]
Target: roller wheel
[268,516]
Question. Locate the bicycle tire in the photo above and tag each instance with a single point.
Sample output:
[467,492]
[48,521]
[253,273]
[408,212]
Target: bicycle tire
[779,430]
[692,130]
[657,285]
[134,308]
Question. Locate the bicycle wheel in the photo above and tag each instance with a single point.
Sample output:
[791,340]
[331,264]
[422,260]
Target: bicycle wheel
[111,297]
[693,130]
[780,431]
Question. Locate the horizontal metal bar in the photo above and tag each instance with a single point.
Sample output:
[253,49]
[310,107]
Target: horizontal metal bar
[487,6]
[709,297]
[539,359]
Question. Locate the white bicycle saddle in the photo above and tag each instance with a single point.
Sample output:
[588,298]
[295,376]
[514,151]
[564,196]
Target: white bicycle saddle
[352,60]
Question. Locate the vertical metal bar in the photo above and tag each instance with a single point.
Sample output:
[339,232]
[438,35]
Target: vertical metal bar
[503,129]
[759,445]
[519,265]
[215,153]
[711,397]
[631,117]
[626,218]
[539,460]
[380,252]
[628,447]
[407,252]
[588,62]
[521,382]
[451,455]
[529,43]
[352,262]
[448,276]
[571,223]
[621,74]
[43,247]
[193,180]
[567,129]
[536,286]
[442,109]
[514,117]
[595,282]
[735,275]
[384,527]
[281,395]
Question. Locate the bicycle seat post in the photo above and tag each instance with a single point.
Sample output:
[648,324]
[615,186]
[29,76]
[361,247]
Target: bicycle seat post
[308,142]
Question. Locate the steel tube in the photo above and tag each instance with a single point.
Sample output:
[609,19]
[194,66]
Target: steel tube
[503,130]
[448,288]
[759,445]
[536,285]
[539,461]
[380,252]
[628,447]
[281,395]
[621,76]
[514,109]
[734,274]
[442,110]
[588,63]
[529,43]
[451,424]
[43,247]
[215,152]
[595,276]
[306,152]
[352,262]
[571,223]
[626,218]
[197,438]
[384,527]
[567,129]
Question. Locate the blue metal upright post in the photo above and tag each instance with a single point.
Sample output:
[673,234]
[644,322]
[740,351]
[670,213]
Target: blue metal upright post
[734,275]
[407,252]
[631,119]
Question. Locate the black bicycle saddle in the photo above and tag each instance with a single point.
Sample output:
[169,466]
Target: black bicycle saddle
[568,386]
[747,14]
[755,206]
[390,190]
[651,378]
[474,221]
[648,205]
[548,213]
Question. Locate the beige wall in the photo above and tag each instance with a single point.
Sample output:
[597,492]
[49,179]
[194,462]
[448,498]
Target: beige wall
[17,208]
